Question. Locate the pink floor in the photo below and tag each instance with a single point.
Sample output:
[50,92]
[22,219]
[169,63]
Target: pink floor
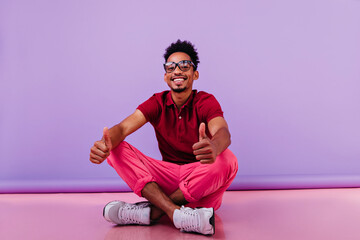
[281,214]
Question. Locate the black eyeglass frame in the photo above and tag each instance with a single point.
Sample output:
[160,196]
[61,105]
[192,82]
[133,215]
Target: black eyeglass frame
[177,65]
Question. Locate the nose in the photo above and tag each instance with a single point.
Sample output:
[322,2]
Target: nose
[177,70]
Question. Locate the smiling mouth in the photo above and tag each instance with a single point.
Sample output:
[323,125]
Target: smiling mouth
[178,79]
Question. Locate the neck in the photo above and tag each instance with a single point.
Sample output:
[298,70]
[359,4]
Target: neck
[180,98]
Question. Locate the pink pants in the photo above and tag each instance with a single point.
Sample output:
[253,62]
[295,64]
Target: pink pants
[203,185]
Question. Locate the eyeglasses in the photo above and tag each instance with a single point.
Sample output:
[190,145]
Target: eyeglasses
[183,65]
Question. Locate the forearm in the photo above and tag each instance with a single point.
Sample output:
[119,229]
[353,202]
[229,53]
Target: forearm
[117,135]
[221,140]
[119,132]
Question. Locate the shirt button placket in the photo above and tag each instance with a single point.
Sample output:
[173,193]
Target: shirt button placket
[180,128]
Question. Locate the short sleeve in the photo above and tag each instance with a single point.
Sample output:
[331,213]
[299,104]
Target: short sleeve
[209,108]
[150,108]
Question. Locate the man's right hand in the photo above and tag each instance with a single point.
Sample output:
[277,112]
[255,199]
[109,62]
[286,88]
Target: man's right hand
[101,149]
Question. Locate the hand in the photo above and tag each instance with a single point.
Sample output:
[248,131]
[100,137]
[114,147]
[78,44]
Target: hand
[204,150]
[101,149]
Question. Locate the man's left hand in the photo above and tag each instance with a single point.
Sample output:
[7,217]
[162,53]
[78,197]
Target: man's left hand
[204,150]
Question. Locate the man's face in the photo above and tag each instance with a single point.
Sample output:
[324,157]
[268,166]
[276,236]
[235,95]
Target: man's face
[180,81]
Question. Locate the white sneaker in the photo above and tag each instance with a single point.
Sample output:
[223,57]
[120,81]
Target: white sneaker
[200,220]
[123,213]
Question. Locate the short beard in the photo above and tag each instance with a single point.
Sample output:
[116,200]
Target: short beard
[179,90]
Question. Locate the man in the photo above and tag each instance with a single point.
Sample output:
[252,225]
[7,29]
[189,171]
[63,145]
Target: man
[193,138]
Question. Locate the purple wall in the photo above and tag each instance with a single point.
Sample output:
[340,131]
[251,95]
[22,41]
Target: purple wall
[285,72]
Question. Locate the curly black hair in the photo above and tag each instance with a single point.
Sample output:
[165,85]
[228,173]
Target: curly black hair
[185,47]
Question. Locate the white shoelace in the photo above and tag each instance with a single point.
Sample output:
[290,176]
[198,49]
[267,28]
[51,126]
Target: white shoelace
[130,214]
[190,222]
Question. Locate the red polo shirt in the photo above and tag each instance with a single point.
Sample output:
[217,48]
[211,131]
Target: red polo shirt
[177,131]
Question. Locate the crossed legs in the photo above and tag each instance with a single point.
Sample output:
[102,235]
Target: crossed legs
[162,204]
[168,186]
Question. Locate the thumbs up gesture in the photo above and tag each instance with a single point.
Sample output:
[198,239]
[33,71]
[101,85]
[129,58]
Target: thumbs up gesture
[101,149]
[106,138]
[204,150]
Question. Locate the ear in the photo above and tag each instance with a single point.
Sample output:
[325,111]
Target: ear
[196,75]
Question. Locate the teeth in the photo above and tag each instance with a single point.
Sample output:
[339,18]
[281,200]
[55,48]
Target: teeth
[178,79]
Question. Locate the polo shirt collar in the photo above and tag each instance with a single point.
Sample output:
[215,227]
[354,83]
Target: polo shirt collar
[170,102]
